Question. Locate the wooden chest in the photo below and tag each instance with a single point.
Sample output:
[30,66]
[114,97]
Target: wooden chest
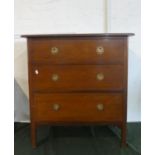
[78,79]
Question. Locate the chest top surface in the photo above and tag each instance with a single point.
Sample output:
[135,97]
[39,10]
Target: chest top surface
[79,35]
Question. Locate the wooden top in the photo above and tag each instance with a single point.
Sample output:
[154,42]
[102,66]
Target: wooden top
[80,35]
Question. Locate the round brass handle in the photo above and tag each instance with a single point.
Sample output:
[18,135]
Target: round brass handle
[54,50]
[36,72]
[100,76]
[100,107]
[100,50]
[55,77]
[56,107]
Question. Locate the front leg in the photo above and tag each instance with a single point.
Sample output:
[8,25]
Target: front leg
[33,135]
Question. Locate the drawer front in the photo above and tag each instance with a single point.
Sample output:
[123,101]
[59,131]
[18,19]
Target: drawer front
[78,107]
[76,51]
[77,77]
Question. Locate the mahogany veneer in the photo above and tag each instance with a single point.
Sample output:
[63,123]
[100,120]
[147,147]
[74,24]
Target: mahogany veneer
[78,79]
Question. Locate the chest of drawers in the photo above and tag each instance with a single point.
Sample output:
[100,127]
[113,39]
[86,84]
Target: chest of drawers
[78,79]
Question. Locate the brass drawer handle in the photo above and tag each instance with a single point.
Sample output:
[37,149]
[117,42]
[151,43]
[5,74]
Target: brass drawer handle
[100,107]
[100,76]
[55,107]
[54,50]
[100,50]
[36,72]
[55,77]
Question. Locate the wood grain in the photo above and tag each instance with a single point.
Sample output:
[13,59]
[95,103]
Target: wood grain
[77,90]
[77,77]
[78,107]
[78,51]
[90,35]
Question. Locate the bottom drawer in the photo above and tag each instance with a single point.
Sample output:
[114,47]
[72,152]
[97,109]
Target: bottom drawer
[78,107]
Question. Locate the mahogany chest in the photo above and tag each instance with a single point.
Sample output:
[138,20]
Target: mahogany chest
[78,79]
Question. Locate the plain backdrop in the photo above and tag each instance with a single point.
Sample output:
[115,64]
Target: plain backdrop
[76,16]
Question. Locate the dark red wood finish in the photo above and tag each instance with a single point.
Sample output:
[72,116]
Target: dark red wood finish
[77,77]
[79,107]
[78,51]
[77,91]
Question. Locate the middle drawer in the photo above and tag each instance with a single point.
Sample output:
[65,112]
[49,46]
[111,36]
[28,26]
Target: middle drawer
[77,77]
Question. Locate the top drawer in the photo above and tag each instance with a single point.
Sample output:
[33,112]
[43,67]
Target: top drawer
[77,51]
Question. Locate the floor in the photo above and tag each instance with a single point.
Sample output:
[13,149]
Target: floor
[88,140]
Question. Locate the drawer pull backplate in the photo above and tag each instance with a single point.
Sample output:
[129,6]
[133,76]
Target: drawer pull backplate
[100,76]
[55,107]
[100,107]
[54,50]
[100,50]
[55,77]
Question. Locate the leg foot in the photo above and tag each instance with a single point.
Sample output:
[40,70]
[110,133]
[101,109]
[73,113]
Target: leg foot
[123,134]
[33,135]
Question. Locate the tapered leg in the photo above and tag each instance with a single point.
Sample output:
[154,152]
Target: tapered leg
[123,136]
[33,135]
